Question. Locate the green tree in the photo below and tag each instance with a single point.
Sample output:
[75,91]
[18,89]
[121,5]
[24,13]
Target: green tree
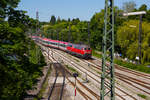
[75,21]
[143,7]
[58,20]
[53,20]
[127,38]
[129,6]
[148,15]
[96,29]
[6,5]
[19,67]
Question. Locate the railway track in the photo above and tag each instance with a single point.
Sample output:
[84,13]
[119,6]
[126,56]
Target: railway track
[57,87]
[98,81]
[141,74]
[87,97]
[129,80]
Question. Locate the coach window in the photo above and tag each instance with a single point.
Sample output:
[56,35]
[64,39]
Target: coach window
[85,49]
[78,47]
[63,45]
[70,45]
[75,46]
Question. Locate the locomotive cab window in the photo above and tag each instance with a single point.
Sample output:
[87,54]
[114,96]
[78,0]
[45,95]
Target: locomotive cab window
[87,49]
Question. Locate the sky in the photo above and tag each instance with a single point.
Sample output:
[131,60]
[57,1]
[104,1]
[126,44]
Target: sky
[82,9]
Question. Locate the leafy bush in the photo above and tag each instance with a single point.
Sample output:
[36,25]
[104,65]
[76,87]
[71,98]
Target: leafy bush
[94,53]
[141,68]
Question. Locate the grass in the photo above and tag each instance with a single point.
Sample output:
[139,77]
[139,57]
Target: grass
[99,72]
[142,96]
[44,86]
[77,60]
[141,68]
[71,69]
[94,53]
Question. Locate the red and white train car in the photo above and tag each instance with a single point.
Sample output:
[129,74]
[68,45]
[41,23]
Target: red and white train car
[80,50]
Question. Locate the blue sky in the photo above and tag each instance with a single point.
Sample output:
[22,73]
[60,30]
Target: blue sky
[83,9]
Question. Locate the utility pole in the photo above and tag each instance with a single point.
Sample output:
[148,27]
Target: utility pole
[89,33]
[69,34]
[37,23]
[61,36]
[37,32]
[57,34]
[140,33]
[52,34]
[107,76]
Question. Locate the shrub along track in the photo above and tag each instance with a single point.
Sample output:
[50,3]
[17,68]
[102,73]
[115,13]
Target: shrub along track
[76,65]
[141,74]
[146,76]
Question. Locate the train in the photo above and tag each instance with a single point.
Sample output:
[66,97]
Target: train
[79,50]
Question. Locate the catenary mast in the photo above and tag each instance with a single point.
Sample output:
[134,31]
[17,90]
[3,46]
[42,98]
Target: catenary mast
[107,76]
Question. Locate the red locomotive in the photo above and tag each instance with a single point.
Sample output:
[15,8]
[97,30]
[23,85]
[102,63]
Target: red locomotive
[80,50]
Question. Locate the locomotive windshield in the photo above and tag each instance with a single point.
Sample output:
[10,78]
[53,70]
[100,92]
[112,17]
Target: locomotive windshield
[87,49]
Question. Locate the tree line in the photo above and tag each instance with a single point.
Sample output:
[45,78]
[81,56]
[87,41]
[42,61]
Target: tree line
[126,36]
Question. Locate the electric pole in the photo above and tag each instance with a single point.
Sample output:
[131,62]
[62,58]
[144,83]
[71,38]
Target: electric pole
[57,35]
[107,76]
[69,35]
[37,32]
[61,36]
[37,23]
[89,33]
[140,32]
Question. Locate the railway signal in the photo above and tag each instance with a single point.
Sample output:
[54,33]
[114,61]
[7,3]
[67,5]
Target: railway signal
[75,76]
[134,13]
[140,13]
[89,65]
[86,80]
